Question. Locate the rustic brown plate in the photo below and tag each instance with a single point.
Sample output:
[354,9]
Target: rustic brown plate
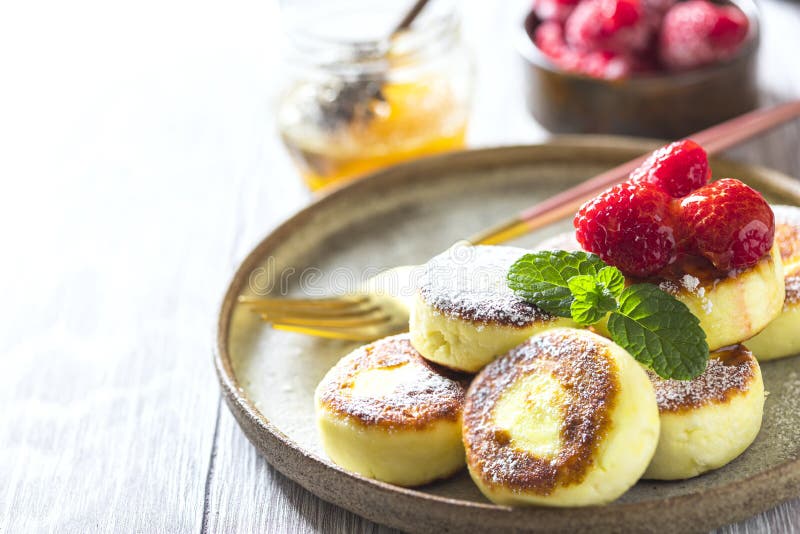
[405,215]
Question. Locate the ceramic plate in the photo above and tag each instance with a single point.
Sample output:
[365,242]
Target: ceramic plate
[405,215]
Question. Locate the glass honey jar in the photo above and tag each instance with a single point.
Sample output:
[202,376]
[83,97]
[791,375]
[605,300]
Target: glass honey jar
[360,97]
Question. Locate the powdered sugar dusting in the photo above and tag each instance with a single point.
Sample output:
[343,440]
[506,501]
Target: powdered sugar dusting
[792,289]
[430,394]
[692,285]
[727,371]
[791,386]
[469,282]
[690,282]
[668,286]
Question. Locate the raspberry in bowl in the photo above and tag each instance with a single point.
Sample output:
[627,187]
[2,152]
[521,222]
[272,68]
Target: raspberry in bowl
[658,68]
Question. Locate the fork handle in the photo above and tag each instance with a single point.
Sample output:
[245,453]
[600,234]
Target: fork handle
[714,139]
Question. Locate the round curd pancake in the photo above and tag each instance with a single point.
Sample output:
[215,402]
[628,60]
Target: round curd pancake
[386,413]
[732,307]
[568,418]
[708,421]
[465,315]
[779,339]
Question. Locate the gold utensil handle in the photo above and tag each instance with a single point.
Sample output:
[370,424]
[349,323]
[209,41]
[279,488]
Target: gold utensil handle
[714,139]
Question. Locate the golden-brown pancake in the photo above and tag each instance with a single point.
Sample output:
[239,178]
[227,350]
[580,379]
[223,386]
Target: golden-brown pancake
[465,314]
[385,412]
[780,339]
[568,418]
[708,421]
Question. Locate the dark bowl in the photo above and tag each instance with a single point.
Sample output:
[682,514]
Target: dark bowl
[660,105]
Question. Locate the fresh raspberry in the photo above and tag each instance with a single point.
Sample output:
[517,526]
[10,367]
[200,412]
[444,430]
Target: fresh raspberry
[555,10]
[697,33]
[676,169]
[549,37]
[657,6]
[606,65]
[728,223]
[630,227]
[608,25]
[654,11]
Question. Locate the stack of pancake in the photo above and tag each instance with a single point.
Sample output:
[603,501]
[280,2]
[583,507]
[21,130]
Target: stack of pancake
[542,411]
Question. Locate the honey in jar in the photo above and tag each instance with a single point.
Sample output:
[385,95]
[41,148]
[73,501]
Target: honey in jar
[359,105]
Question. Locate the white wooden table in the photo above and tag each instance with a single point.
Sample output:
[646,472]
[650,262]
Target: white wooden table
[139,162]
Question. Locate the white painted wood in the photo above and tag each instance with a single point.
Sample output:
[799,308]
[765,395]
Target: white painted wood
[139,163]
[132,143]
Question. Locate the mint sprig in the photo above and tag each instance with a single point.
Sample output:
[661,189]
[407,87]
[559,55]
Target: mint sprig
[657,329]
[543,278]
[613,280]
[592,300]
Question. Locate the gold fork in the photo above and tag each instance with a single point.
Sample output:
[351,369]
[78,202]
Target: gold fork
[377,310]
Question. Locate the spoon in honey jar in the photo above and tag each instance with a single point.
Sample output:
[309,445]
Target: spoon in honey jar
[349,101]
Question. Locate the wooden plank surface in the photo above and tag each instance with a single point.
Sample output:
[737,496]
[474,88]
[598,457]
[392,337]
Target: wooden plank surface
[140,163]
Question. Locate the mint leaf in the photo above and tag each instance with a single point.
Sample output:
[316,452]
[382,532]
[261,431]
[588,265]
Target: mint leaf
[592,299]
[543,277]
[613,280]
[660,332]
